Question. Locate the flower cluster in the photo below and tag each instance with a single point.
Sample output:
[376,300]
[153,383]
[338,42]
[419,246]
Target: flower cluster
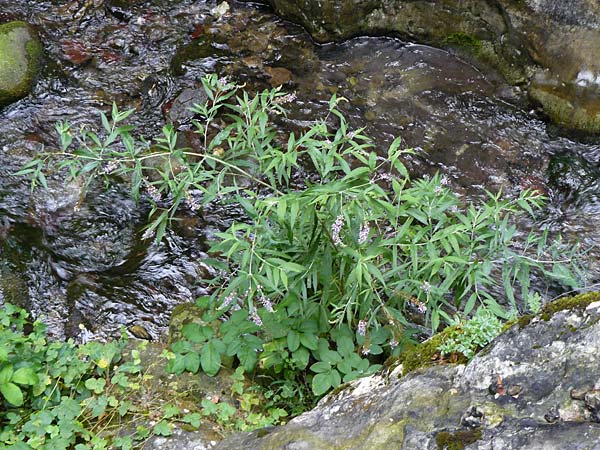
[385,176]
[148,234]
[264,300]
[153,192]
[363,234]
[254,317]
[288,98]
[336,228]
[227,301]
[192,202]
[421,307]
[362,328]
[109,168]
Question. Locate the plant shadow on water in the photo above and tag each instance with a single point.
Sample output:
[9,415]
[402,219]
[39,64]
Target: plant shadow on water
[82,261]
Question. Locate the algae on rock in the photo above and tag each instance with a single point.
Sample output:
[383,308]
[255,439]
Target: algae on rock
[20,60]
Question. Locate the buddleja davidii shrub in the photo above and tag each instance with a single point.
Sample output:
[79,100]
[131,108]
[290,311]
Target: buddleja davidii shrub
[357,246]
[349,249]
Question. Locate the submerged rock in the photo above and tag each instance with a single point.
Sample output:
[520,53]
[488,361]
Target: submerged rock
[20,60]
[552,43]
[535,387]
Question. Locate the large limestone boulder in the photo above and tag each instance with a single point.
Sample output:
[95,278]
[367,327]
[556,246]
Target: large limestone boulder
[552,46]
[20,60]
[537,386]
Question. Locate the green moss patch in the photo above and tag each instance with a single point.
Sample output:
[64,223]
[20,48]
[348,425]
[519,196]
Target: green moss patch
[579,302]
[458,439]
[463,40]
[427,353]
[20,60]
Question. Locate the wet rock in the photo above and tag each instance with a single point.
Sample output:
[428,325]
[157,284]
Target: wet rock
[20,60]
[476,27]
[140,332]
[179,110]
[185,440]
[449,406]
[552,416]
[185,391]
[278,75]
[194,54]
[567,102]
[558,42]
[578,394]
[220,10]
[121,9]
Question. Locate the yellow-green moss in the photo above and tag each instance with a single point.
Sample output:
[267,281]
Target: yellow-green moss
[457,440]
[523,321]
[568,106]
[20,60]
[463,40]
[569,303]
[425,354]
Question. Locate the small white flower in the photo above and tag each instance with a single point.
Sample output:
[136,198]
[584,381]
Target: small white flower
[426,287]
[153,192]
[148,234]
[192,202]
[227,301]
[110,168]
[288,98]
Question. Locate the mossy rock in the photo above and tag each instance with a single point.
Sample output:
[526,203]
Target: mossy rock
[457,440]
[20,60]
[183,314]
[427,353]
[463,40]
[577,302]
[569,105]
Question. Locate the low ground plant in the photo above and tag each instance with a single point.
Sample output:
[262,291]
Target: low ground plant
[57,395]
[341,257]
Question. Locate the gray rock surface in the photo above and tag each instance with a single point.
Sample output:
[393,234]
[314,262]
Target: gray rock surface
[537,386]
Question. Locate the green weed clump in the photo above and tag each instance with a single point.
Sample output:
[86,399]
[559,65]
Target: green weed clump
[316,283]
[473,335]
[57,395]
[96,396]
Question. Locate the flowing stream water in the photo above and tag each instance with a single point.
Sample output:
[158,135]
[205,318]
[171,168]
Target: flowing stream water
[81,261]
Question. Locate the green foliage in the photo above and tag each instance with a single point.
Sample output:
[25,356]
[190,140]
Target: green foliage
[473,335]
[317,282]
[56,395]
